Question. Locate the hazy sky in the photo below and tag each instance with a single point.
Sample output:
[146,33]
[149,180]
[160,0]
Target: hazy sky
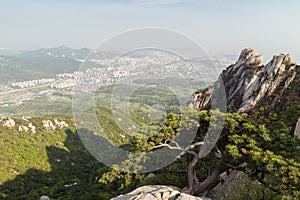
[268,26]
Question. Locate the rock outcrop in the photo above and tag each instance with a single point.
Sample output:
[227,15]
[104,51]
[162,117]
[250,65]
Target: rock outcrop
[48,124]
[248,82]
[26,128]
[251,86]
[230,185]
[24,124]
[201,98]
[44,198]
[32,127]
[157,192]
[61,124]
[9,123]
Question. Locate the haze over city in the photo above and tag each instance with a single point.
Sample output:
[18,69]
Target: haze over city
[269,27]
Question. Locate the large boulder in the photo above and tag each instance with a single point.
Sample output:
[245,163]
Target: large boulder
[44,197]
[158,192]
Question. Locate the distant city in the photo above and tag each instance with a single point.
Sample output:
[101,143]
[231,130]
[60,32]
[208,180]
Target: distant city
[158,65]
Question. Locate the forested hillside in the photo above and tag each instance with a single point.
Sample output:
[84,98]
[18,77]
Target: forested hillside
[255,153]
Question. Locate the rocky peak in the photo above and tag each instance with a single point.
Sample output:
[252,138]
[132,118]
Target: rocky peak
[250,57]
[283,59]
[248,83]
[280,63]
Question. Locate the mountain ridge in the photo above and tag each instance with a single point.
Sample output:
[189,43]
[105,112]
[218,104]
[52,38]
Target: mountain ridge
[61,51]
[249,83]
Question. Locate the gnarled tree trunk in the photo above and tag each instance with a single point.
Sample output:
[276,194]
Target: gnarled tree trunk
[194,185]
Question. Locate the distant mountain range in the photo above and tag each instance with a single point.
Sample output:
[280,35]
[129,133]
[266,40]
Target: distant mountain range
[18,66]
[41,63]
[59,52]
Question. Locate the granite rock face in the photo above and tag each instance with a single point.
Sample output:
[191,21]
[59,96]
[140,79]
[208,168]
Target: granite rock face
[158,192]
[44,198]
[249,82]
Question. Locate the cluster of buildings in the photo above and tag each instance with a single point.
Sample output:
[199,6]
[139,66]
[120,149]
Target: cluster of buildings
[118,70]
[32,83]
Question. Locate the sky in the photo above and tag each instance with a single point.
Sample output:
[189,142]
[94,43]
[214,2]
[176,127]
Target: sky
[221,26]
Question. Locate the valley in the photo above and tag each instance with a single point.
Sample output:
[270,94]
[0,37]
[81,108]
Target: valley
[58,130]
[56,86]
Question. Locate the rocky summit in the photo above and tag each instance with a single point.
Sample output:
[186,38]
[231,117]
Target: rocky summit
[249,83]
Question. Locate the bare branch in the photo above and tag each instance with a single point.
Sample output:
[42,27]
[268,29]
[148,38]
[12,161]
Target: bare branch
[178,147]
[169,146]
